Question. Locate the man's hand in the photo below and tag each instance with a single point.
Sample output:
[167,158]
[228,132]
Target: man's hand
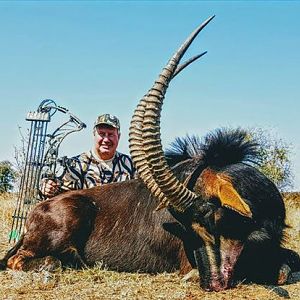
[49,187]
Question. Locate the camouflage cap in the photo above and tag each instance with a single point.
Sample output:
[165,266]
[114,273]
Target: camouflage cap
[108,119]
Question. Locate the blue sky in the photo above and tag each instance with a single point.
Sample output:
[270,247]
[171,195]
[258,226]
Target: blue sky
[96,57]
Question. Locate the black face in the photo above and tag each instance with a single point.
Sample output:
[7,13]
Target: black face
[213,238]
[236,230]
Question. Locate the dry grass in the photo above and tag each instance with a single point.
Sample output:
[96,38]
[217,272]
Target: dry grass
[292,204]
[98,283]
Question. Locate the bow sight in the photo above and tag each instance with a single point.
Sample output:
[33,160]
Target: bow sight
[41,158]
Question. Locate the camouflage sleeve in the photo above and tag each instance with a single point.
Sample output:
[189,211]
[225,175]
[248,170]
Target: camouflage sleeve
[72,177]
[128,166]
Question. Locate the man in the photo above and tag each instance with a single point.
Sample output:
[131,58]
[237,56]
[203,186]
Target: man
[101,165]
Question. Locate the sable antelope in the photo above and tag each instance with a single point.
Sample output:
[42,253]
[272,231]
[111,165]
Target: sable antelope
[225,217]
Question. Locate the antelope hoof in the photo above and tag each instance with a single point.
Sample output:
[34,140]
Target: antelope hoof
[47,263]
[284,274]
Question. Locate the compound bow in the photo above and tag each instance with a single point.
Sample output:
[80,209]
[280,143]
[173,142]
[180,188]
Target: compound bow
[38,161]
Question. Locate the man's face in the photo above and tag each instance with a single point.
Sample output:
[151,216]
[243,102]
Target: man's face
[106,140]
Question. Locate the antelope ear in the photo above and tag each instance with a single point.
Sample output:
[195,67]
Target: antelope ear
[214,184]
[230,198]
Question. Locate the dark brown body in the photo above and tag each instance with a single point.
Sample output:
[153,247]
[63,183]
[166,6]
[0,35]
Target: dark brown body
[128,233]
[115,224]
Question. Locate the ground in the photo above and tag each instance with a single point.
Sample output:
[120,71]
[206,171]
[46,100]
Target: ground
[98,283]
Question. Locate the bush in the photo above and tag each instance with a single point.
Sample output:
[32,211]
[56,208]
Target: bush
[7,176]
[274,160]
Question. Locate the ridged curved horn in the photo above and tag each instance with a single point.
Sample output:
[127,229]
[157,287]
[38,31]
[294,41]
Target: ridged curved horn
[176,193]
[138,155]
[135,139]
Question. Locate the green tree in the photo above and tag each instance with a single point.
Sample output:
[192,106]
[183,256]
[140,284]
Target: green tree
[7,176]
[274,158]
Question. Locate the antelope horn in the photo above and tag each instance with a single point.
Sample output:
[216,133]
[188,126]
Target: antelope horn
[176,193]
[186,63]
[135,139]
[137,153]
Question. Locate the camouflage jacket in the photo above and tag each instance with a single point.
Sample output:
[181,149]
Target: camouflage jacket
[87,170]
